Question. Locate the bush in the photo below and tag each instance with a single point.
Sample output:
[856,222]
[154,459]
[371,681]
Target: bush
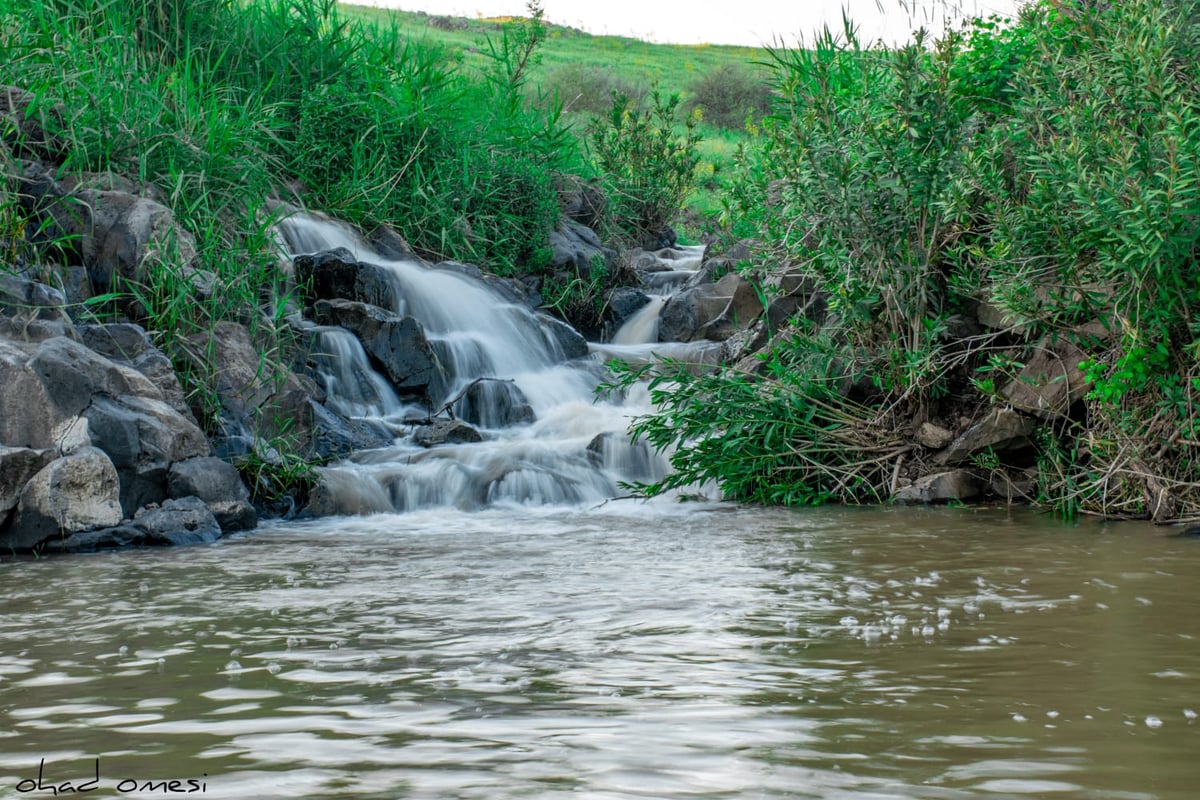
[590,89]
[647,167]
[729,95]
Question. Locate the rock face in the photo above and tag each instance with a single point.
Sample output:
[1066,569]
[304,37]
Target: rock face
[17,466]
[396,344]
[495,404]
[77,492]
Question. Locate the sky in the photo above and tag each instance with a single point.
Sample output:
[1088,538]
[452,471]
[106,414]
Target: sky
[747,22]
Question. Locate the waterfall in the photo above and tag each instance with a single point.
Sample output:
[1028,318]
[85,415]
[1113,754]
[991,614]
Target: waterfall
[546,439]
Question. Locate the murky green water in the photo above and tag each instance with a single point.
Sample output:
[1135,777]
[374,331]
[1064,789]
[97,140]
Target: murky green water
[625,652]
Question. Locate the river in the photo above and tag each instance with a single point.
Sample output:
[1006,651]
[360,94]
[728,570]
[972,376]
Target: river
[634,650]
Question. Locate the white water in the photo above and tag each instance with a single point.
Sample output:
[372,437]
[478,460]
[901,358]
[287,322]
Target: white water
[575,451]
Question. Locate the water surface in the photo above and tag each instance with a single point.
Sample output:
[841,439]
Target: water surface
[626,651]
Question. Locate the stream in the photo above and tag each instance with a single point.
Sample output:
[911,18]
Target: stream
[634,650]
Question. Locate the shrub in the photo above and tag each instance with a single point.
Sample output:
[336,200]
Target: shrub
[728,95]
[648,168]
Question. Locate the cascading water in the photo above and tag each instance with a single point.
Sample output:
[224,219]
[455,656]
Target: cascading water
[563,447]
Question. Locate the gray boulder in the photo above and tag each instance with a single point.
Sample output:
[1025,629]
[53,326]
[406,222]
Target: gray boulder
[495,404]
[577,247]
[396,344]
[221,488]
[17,466]
[445,431]
[710,311]
[568,340]
[1051,380]
[177,522]
[77,492]
[943,487]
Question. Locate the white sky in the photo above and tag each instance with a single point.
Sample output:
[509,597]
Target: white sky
[749,22]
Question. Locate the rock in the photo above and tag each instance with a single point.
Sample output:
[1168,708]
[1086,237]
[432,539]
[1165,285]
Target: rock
[388,242]
[128,344]
[710,311]
[614,451]
[337,275]
[744,343]
[25,125]
[396,344]
[252,406]
[17,466]
[77,492]
[181,521]
[567,340]
[335,437]
[932,436]
[221,488]
[623,303]
[577,248]
[495,404]
[123,235]
[445,431]
[1002,429]
[1051,380]
[958,484]
[25,299]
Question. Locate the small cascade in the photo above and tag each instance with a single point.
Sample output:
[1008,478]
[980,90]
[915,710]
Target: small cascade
[642,327]
[545,439]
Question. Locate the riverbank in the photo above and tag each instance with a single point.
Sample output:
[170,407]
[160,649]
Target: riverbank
[905,306]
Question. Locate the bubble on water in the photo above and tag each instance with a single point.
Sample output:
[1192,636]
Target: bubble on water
[123,650]
[292,641]
[1189,715]
[1102,606]
[871,633]
[898,620]
[927,631]
[1146,601]
[848,622]
[334,645]
[274,668]
[1017,716]
[235,652]
[1052,714]
[143,587]
[944,613]
[275,612]
[1153,722]
[233,666]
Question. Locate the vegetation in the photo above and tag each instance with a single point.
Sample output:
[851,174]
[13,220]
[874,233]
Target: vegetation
[1048,169]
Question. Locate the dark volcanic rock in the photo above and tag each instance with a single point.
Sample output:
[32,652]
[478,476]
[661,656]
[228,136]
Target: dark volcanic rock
[221,488]
[336,274]
[396,344]
[445,431]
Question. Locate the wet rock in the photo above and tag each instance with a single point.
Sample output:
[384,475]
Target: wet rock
[958,484]
[744,343]
[633,461]
[388,242]
[710,311]
[624,302]
[337,275]
[335,437]
[1051,380]
[495,404]
[445,431]
[932,436]
[221,488]
[1001,430]
[176,522]
[77,492]
[396,344]
[569,341]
